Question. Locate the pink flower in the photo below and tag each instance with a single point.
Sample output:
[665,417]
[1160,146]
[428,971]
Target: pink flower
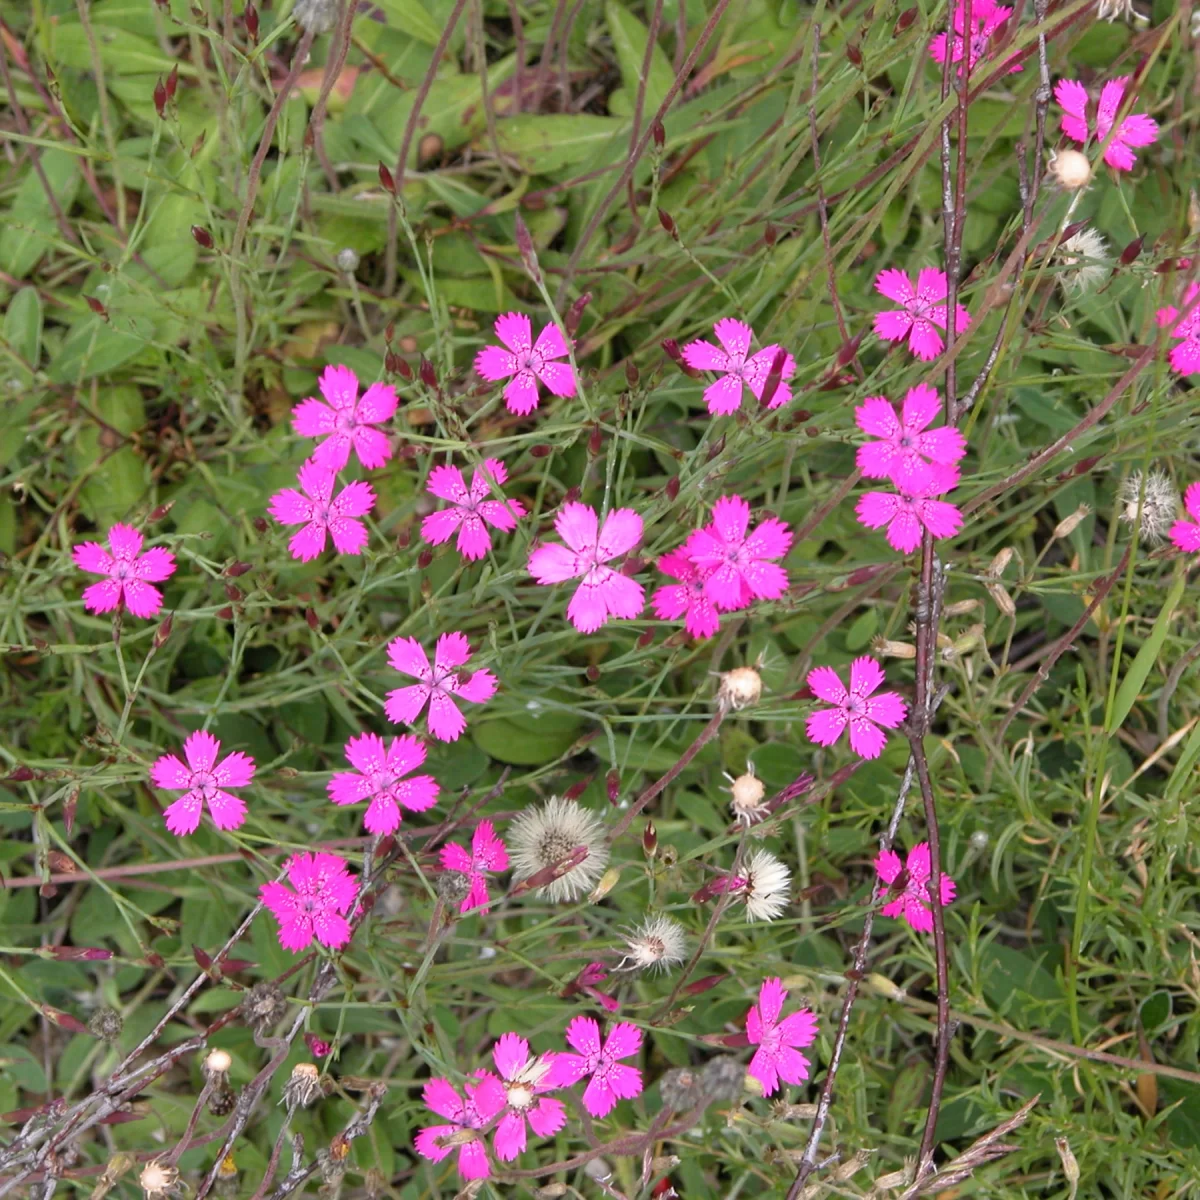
[438,683]
[471,512]
[345,422]
[524,1081]
[203,780]
[1136,130]
[987,19]
[858,708]
[1185,357]
[610,1080]
[921,310]
[488,853]
[129,571]
[737,566]
[731,363]
[323,513]
[906,513]
[485,1098]
[913,904]
[325,889]
[317,1047]
[777,1056]
[1186,534]
[527,361]
[686,598]
[380,780]
[602,592]
[906,448]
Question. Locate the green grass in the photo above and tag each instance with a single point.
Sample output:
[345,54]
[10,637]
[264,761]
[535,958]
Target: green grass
[148,373]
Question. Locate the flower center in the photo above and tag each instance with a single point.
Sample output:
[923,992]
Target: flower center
[344,422]
[520,1096]
[122,570]
[854,706]
[906,442]
[323,513]
[205,783]
[554,847]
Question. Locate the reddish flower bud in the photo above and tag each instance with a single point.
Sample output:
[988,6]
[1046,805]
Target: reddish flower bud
[172,83]
[96,307]
[646,639]
[250,16]
[232,592]
[774,377]
[428,374]
[159,511]
[202,237]
[391,362]
[703,985]
[849,350]
[671,350]
[650,840]
[404,370]
[572,495]
[612,785]
[424,559]
[69,806]
[592,673]
[594,441]
[659,134]
[63,1020]
[163,632]
[224,614]
[404,539]
[575,313]
[526,249]
[770,234]
[907,17]
[1132,251]
[311,617]
[672,488]
[160,98]
[236,568]
[631,373]
[386,180]
[79,953]
[260,523]
[577,789]
[716,448]
[389,332]
[541,450]
[854,54]
[668,223]
[21,774]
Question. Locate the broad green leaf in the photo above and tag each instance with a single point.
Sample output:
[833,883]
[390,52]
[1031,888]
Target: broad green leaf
[30,225]
[508,743]
[411,17]
[630,38]
[23,325]
[1139,669]
[120,51]
[93,347]
[545,144]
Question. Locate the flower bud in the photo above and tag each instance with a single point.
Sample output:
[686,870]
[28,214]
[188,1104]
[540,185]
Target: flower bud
[612,785]
[659,134]
[631,373]
[883,647]
[386,180]
[1070,1165]
[1070,169]
[250,16]
[216,1064]
[1069,524]
[649,840]
[303,1087]
[998,564]
[575,314]
[1004,602]
[427,373]
[347,260]
[668,223]
[961,607]
[739,688]
[160,98]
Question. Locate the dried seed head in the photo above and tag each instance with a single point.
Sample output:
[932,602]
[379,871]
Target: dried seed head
[226,1185]
[1069,169]
[452,886]
[739,688]
[319,16]
[158,1180]
[883,647]
[960,608]
[1070,1165]
[1157,500]
[979,840]
[722,1079]
[264,1007]
[542,836]
[680,1088]
[1004,602]
[657,944]
[303,1087]
[747,792]
[1069,524]
[1115,10]
[106,1024]
[1085,259]
[347,260]
[217,1064]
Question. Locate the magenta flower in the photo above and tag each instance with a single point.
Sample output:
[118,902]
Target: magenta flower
[1185,357]
[906,449]
[1184,533]
[777,1056]
[488,853]
[345,422]
[610,1079]
[321,512]
[524,1080]
[687,598]
[906,513]
[913,904]
[485,1098]
[921,310]
[987,20]
[602,592]
[204,781]
[438,683]
[736,369]
[378,777]
[1136,130]
[527,361]
[859,708]
[325,890]
[736,566]
[471,511]
[130,572]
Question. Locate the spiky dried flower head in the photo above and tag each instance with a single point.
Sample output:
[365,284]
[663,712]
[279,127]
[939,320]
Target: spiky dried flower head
[1070,169]
[158,1179]
[739,688]
[319,16]
[767,888]
[1085,259]
[680,1088]
[303,1086]
[1116,10]
[658,943]
[106,1024]
[1151,502]
[723,1079]
[746,798]
[541,837]
[264,1005]
[452,886]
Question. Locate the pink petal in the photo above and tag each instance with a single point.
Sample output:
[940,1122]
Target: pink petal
[1119,157]
[355,500]
[473,1161]
[331,929]
[169,772]
[826,685]
[895,285]
[91,556]
[379,403]
[440,527]
[825,726]
[235,770]
[782,396]
[945,445]
[502,514]
[622,530]
[671,602]
[547,1117]
[124,541]
[455,858]
[553,564]
[183,817]
[347,787]
[887,709]
[866,738]
[799,1028]
[349,536]
[865,676]
[577,525]
[623,1041]
[515,331]
[372,447]
[102,597]
[228,811]
[311,418]
[451,650]
[624,1082]
[888,865]
[1191,500]
[759,367]
[730,517]
[916,914]
[583,1035]
[1184,358]
[793,1067]
[445,721]
[704,356]
[493,364]
[924,340]
[521,394]
[904,532]
[1138,130]
[289,507]
[767,581]
[1111,95]
[940,518]
[201,749]
[1186,536]
[155,565]
[771,539]
[892,326]
[876,509]
[762,1067]
[366,753]
[509,1139]
[403,705]
[141,599]
[587,609]
[877,418]
[771,995]
[447,484]
[921,406]
[405,754]
[876,460]
[339,385]
[428,1142]
[931,284]
[724,396]
[409,658]
[559,378]
[735,337]
[550,343]
[510,1054]
[488,850]
[480,688]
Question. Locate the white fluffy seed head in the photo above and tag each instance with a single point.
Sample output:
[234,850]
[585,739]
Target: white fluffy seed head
[542,836]
[768,887]
[1086,260]
[318,15]
[1070,169]
[657,944]
[217,1063]
[1158,500]
[740,688]
[747,792]
[158,1179]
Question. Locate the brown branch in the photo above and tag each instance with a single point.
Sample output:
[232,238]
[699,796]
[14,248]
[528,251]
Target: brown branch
[333,70]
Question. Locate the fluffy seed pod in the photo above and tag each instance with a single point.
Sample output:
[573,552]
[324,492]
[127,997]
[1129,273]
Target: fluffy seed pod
[1069,169]
[746,798]
[739,688]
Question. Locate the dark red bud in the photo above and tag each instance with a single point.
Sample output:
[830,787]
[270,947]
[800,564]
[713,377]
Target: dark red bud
[236,569]
[592,673]
[770,234]
[525,247]
[649,840]
[668,223]
[428,374]
[404,539]
[1132,251]
[96,307]
[388,333]
[849,350]
[704,985]
[672,488]
[391,362]
[160,511]
[385,178]
[202,237]
[69,806]
[225,614]
[671,349]
[659,134]
[172,83]
[163,632]
[541,450]
[854,54]
[250,16]
[424,559]
[1082,467]
[612,785]
[260,523]
[21,774]
[577,789]
[646,639]
[160,98]
[572,495]
[575,313]
[232,593]
[595,440]
[404,370]
[774,377]
[716,448]
[311,617]
[63,1020]
[155,960]
[907,17]
[79,953]
[631,373]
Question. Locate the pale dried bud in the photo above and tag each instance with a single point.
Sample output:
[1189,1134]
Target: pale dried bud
[303,1087]
[1068,525]
[264,1006]
[894,1179]
[979,840]
[851,1166]
[1004,602]
[608,881]
[217,1064]
[106,1024]
[452,886]
[885,987]
[883,647]
[996,567]
[1070,1165]
[158,1180]
[961,607]
[747,793]
[740,688]
[973,637]
[1069,169]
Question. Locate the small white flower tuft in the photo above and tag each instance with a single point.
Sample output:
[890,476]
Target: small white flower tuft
[768,887]
[1159,503]
[657,944]
[541,837]
[1086,259]
[747,792]
[1070,169]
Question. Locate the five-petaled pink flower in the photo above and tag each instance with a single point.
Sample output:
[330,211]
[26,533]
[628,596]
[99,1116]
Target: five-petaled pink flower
[1137,129]
[130,572]
[378,777]
[346,421]
[204,781]
[610,1079]
[906,449]
[1184,533]
[325,890]
[777,1056]
[906,513]
[687,598]
[471,510]
[913,904]
[485,1098]
[439,682]
[321,512]
[488,853]
[1185,357]
[736,566]
[922,310]
[987,20]
[527,361]
[525,1079]
[737,366]
[602,591]
[857,707]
